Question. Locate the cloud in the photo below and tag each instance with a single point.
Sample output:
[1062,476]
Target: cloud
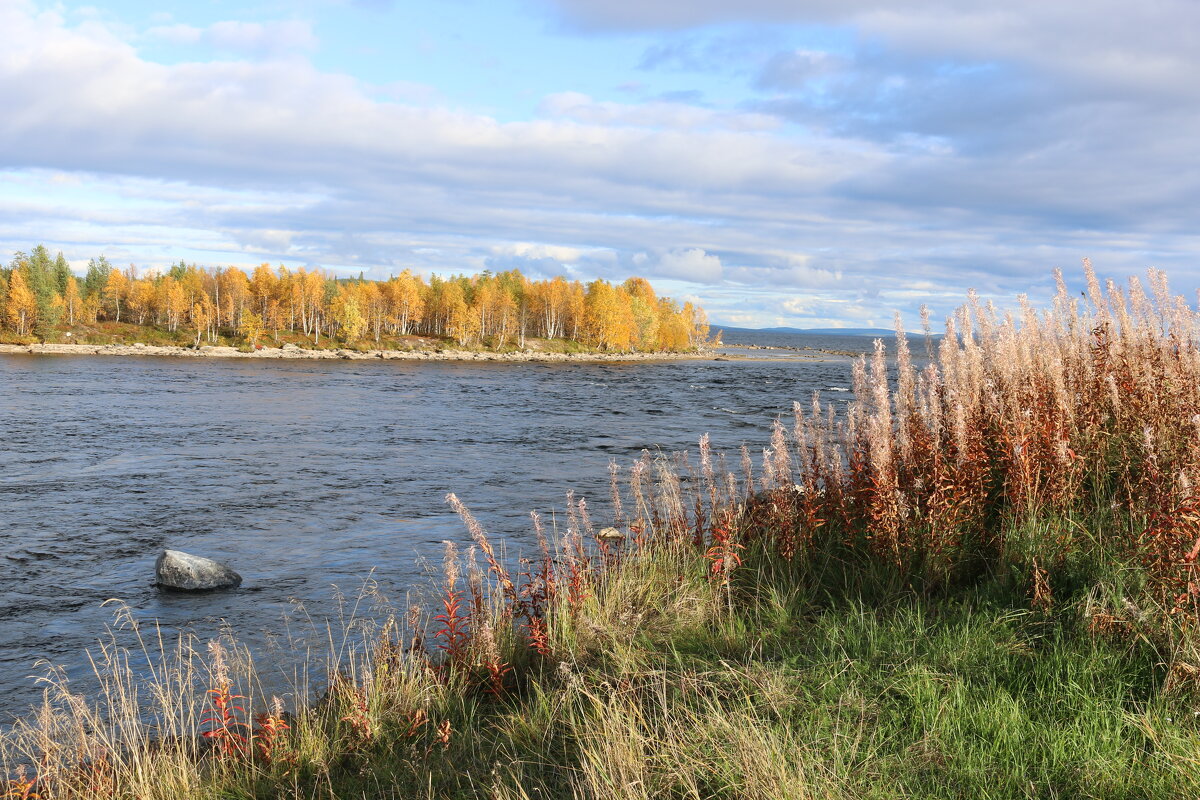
[792,272]
[692,264]
[793,70]
[852,177]
[242,38]
[530,250]
[1143,43]
[176,33]
[677,111]
[721,52]
[669,14]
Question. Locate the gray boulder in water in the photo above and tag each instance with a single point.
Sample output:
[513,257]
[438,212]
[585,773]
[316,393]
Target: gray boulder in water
[178,570]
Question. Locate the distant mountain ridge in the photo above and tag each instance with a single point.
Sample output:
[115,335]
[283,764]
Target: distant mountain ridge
[836,331]
[816,331]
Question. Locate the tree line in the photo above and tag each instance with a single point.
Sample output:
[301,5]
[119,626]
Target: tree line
[40,294]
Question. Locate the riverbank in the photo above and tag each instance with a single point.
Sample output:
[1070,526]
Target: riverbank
[637,665]
[294,352]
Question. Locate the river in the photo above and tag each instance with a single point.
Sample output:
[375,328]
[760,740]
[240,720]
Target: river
[310,475]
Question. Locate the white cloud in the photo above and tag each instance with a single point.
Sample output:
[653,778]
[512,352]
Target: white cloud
[657,115]
[789,273]
[242,38]
[266,159]
[692,264]
[258,37]
[176,33]
[266,240]
[530,250]
[84,103]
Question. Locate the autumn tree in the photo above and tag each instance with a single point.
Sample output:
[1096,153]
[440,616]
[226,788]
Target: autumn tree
[374,308]
[172,301]
[576,307]
[406,301]
[139,300]
[72,299]
[698,318]
[459,323]
[551,305]
[192,282]
[494,308]
[89,309]
[674,331]
[347,311]
[312,303]
[643,307]
[116,286]
[235,289]
[251,328]
[201,318]
[608,318]
[21,307]
[262,288]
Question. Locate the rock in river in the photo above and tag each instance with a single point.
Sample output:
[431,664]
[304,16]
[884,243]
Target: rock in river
[178,570]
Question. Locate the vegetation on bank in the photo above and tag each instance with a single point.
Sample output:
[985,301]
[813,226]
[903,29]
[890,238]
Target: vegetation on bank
[978,582]
[42,300]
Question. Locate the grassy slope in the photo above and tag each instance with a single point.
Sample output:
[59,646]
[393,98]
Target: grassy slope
[829,676]
[667,687]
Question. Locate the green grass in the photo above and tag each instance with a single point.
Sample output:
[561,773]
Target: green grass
[967,695]
[824,678]
[662,694]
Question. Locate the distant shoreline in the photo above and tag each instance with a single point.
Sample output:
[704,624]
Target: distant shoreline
[784,348]
[293,352]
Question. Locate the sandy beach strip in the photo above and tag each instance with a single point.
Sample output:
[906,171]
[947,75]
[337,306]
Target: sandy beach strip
[295,352]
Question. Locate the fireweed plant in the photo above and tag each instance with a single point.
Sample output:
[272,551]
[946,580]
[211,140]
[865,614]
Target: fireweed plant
[977,580]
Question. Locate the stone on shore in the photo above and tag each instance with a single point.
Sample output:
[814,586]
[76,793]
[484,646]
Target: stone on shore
[178,570]
[607,535]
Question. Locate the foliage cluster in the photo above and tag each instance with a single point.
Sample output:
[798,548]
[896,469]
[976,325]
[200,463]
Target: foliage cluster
[977,582]
[38,293]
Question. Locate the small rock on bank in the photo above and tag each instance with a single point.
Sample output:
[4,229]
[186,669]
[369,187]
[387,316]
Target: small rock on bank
[175,569]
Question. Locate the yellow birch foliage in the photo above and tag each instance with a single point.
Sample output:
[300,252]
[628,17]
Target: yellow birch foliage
[139,301]
[21,308]
[115,291]
[172,302]
[490,309]
[72,300]
[251,328]
[348,312]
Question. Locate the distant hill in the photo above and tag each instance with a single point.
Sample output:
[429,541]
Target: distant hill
[836,331]
[873,332]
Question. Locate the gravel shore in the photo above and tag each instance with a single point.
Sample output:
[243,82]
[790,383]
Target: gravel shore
[294,352]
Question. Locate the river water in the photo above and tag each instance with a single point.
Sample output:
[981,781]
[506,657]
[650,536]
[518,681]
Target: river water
[310,475]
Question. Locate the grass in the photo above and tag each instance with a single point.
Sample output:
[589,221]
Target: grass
[978,583]
[795,680]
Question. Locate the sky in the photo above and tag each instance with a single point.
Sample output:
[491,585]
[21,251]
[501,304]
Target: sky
[806,163]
